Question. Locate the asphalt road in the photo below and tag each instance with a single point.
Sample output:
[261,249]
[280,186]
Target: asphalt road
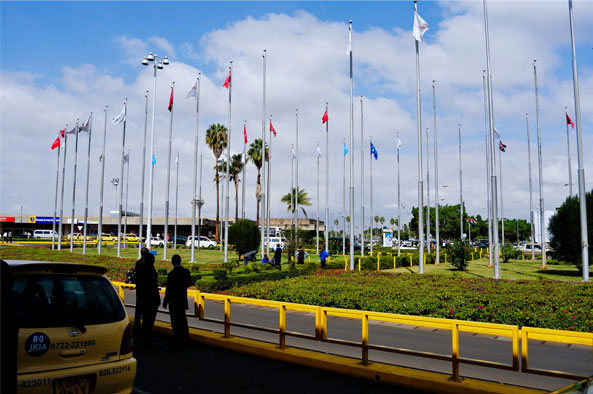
[574,359]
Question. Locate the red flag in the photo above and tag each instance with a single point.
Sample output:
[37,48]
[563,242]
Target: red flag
[569,121]
[272,129]
[227,80]
[170,107]
[245,133]
[56,143]
[472,220]
[62,132]
[324,118]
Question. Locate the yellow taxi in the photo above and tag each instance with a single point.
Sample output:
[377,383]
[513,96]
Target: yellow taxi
[74,334]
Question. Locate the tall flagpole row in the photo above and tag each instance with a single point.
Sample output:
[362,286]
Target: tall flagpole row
[228,159]
[581,170]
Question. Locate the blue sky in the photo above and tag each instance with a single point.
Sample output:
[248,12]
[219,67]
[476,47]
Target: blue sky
[62,60]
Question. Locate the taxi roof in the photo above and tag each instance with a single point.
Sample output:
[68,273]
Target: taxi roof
[54,267]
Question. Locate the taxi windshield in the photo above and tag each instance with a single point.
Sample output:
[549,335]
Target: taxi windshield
[64,300]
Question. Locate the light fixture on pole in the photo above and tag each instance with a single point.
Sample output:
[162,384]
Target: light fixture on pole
[156,66]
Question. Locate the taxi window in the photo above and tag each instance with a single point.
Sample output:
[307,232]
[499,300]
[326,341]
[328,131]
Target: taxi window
[57,301]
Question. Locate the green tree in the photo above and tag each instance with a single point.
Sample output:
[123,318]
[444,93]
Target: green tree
[460,253]
[245,235]
[254,155]
[565,230]
[216,139]
[299,198]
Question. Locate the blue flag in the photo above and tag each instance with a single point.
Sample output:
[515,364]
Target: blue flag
[153,160]
[345,149]
[374,151]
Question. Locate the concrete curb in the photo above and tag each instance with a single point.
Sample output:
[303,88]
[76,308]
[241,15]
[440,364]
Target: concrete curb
[390,374]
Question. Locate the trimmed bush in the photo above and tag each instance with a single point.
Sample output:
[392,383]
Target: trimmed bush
[212,284]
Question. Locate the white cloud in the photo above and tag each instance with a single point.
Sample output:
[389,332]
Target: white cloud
[164,44]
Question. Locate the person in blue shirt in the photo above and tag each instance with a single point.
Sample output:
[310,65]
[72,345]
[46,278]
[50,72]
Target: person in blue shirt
[323,257]
[266,259]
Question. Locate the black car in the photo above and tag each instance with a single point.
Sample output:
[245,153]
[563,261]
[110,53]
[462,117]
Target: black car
[179,240]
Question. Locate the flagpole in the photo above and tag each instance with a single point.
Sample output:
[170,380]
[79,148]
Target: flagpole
[263,158]
[101,184]
[176,199]
[399,223]
[437,260]
[86,197]
[371,185]
[269,191]
[76,131]
[540,167]
[291,192]
[143,176]
[488,171]
[166,232]
[60,229]
[581,169]
[460,188]
[243,173]
[53,233]
[194,179]
[351,161]
[317,224]
[296,179]
[532,227]
[121,190]
[199,202]
[493,182]
[568,148]
[501,194]
[344,205]
[127,194]
[326,224]
[362,155]
[419,135]
[228,160]
[427,195]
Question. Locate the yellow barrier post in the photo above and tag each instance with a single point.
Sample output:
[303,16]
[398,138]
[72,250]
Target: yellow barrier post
[365,339]
[282,326]
[445,258]
[393,262]
[378,261]
[318,326]
[472,256]
[455,352]
[410,260]
[524,351]
[227,318]
[359,263]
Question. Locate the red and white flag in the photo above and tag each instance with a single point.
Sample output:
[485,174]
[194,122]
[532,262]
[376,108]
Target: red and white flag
[170,107]
[227,80]
[569,121]
[245,133]
[56,143]
[272,129]
[325,117]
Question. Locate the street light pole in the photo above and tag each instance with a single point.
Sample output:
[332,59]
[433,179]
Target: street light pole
[156,66]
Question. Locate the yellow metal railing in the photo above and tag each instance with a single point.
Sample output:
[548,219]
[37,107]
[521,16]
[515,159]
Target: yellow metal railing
[519,337]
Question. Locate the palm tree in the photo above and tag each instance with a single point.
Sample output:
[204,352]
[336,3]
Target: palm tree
[392,222]
[299,198]
[216,139]
[254,154]
[336,222]
[382,221]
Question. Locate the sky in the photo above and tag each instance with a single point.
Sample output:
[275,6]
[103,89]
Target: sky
[61,61]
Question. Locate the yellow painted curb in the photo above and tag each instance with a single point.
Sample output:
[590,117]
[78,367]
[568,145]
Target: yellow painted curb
[390,374]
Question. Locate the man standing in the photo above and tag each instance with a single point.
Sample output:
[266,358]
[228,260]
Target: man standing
[178,280]
[278,256]
[147,295]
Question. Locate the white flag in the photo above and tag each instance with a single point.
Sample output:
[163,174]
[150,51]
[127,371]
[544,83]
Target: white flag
[496,134]
[318,150]
[127,158]
[193,92]
[72,130]
[119,118]
[399,143]
[420,27]
[177,160]
[349,50]
[293,153]
[85,126]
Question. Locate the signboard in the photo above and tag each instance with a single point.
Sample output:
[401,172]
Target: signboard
[6,219]
[43,219]
[387,238]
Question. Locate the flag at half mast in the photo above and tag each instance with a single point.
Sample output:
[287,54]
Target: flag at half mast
[170,107]
[325,117]
[501,146]
[345,149]
[569,121]
[272,129]
[227,80]
[245,133]
[374,151]
[56,143]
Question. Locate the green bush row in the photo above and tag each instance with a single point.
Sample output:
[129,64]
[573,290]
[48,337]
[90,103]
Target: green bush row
[210,284]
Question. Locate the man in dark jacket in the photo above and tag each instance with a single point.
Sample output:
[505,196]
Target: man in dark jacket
[178,280]
[147,296]
[278,256]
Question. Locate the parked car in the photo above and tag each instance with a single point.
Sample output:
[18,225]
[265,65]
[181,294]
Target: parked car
[273,241]
[179,240]
[133,238]
[202,242]
[74,333]
[537,250]
[44,234]
[155,241]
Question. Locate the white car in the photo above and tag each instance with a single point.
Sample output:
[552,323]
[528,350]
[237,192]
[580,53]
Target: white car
[155,241]
[201,242]
[274,241]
